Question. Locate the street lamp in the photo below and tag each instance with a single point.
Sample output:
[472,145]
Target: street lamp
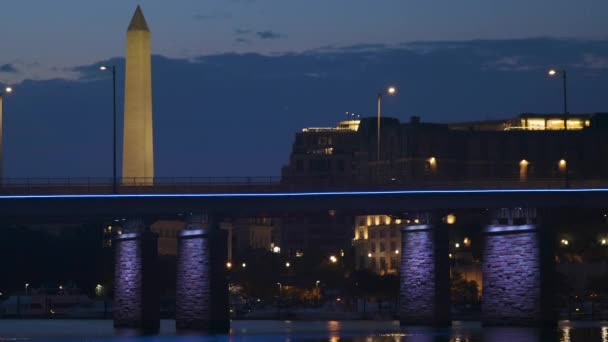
[26,286]
[280,287]
[554,73]
[317,283]
[390,91]
[7,90]
[113,69]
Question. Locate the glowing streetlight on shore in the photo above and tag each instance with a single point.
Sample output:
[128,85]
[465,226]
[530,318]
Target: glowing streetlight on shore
[6,90]
[114,179]
[553,73]
[390,91]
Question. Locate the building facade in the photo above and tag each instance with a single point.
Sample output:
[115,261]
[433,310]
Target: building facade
[530,147]
[377,243]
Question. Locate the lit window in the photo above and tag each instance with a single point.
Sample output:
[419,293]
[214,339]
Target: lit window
[536,124]
[555,124]
[575,124]
[523,170]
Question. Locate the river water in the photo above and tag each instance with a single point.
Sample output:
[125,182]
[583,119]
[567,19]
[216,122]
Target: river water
[331,331]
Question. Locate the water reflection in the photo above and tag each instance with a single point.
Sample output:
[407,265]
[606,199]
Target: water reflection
[565,335]
[321,331]
[333,328]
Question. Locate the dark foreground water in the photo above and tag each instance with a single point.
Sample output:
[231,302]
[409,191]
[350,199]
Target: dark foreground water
[331,331]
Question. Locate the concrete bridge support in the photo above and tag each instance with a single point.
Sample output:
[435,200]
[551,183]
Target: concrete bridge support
[425,273]
[518,270]
[136,294]
[202,287]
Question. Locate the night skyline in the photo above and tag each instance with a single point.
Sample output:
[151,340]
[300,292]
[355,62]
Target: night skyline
[236,113]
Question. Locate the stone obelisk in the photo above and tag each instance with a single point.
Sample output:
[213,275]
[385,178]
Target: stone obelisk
[138,151]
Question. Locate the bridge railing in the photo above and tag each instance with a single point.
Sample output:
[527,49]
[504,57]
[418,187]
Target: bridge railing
[101,185]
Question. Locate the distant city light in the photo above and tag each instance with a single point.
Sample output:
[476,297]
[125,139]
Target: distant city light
[99,290]
[457,245]
[466,241]
[244,265]
[228,265]
[287,264]
[396,251]
[299,254]
[276,249]
[333,259]
[604,242]
[450,219]
[564,242]
[369,255]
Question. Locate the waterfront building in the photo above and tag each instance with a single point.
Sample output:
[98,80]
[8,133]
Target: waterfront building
[530,147]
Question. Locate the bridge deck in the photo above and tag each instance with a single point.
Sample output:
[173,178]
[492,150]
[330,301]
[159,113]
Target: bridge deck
[262,185]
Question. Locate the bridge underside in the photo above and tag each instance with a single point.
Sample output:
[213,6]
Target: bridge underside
[518,273]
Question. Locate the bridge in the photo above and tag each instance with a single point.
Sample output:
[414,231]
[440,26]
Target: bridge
[518,283]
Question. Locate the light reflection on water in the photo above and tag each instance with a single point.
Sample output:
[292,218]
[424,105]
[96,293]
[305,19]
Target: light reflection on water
[326,331]
[565,335]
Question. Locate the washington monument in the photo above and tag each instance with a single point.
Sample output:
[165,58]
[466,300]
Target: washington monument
[138,151]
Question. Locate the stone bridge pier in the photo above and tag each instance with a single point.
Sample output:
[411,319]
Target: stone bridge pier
[425,272]
[518,269]
[136,293]
[202,287]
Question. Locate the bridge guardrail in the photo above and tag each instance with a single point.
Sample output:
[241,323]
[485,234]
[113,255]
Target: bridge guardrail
[269,184]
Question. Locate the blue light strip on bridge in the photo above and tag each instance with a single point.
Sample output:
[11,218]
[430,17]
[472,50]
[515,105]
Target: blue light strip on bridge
[305,194]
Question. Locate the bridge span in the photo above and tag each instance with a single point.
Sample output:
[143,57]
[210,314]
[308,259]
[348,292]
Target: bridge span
[518,244]
[42,202]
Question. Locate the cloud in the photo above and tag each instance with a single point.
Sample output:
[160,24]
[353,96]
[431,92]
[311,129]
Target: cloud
[212,16]
[242,31]
[593,61]
[509,63]
[268,34]
[8,68]
[242,41]
[264,99]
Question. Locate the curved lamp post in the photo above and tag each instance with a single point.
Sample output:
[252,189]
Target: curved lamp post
[554,73]
[113,69]
[390,91]
[6,90]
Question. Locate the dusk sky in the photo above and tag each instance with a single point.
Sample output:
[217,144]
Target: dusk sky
[233,80]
